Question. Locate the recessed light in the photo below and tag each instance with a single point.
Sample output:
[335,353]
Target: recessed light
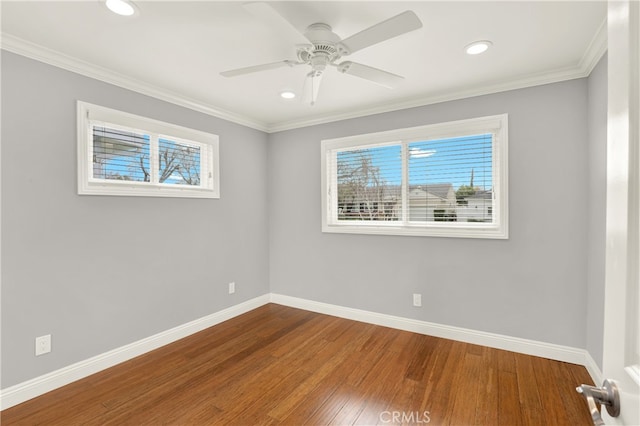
[121,7]
[287,95]
[477,47]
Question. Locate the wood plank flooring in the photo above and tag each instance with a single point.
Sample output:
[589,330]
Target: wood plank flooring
[279,365]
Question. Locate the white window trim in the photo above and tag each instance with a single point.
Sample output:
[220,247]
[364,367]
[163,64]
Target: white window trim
[497,125]
[87,185]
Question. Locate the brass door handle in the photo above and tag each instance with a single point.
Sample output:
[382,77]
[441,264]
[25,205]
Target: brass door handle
[606,395]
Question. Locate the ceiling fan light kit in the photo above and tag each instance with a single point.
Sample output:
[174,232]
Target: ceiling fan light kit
[321,48]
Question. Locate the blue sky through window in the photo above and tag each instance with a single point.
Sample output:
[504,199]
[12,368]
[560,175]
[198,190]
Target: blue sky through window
[451,160]
[184,167]
[119,154]
[125,155]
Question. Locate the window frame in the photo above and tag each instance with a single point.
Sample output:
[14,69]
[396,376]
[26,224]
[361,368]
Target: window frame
[90,114]
[496,125]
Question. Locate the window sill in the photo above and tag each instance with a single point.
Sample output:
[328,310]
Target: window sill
[455,231]
[138,190]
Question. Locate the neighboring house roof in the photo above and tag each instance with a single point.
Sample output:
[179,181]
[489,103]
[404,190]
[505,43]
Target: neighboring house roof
[481,195]
[440,190]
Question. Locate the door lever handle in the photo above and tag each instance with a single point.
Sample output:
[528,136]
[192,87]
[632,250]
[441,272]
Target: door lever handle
[606,395]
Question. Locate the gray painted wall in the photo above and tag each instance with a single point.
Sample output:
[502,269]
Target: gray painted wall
[531,286]
[101,272]
[597,184]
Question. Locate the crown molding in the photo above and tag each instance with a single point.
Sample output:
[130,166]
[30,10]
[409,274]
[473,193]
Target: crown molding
[520,83]
[592,55]
[594,52]
[596,49]
[58,59]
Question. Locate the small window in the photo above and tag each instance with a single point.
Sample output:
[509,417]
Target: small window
[447,180]
[125,154]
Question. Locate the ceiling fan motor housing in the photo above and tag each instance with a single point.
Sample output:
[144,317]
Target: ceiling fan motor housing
[324,50]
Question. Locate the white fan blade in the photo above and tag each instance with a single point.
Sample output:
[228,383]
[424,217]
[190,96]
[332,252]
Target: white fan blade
[267,14]
[311,88]
[375,75]
[256,68]
[392,27]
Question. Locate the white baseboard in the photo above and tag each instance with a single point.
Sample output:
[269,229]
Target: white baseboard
[30,389]
[492,340]
[594,371]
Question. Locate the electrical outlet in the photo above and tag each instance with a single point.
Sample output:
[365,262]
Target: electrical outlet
[43,345]
[232,288]
[417,299]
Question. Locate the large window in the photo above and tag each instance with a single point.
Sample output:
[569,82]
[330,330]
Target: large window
[447,180]
[125,154]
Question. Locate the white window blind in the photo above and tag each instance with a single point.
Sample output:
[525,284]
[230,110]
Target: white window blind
[125,154]
[451,180]
[365,183]
[180,163]
[443,180]
[120,154]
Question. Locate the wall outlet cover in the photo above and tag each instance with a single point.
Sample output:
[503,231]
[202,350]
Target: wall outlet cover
[43,345]
[417,299]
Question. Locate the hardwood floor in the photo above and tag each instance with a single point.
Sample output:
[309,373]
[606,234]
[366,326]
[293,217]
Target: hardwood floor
[279,365]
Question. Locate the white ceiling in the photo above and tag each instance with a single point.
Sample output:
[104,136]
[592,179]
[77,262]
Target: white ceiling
[175,50]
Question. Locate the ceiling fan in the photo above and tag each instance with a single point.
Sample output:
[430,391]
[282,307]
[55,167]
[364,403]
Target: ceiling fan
[319,47]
